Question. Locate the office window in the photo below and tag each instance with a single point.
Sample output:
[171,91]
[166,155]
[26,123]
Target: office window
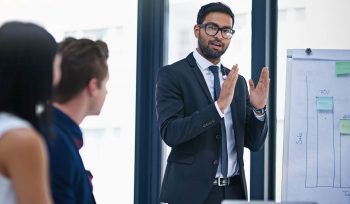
[305,24]
[108,150]
[182,18]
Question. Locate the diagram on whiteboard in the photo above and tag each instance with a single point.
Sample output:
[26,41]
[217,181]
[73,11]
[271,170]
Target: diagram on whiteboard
[326,163]
[317,130]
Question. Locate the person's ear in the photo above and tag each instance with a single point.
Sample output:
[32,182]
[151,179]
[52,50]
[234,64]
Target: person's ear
[56,72]
[92,86]
[196,30]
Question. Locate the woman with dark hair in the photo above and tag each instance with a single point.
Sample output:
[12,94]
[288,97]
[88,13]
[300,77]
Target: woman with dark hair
[27,54]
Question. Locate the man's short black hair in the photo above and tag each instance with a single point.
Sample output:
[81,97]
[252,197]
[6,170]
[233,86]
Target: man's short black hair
[213,7]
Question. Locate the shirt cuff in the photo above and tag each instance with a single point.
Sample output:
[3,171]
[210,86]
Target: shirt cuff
[218,109]
[260,117]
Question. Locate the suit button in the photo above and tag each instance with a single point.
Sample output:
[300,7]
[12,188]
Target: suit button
[218,137]
[215,162]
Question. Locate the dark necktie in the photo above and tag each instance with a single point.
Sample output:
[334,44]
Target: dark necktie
[217,88]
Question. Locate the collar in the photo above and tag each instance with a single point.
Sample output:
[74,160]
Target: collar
[202,62]
[69,125]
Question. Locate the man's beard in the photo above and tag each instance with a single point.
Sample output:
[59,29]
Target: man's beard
[207,52]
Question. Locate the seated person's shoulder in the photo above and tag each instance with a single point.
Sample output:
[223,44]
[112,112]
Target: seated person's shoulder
[22,140]
[62,149]
[22,146]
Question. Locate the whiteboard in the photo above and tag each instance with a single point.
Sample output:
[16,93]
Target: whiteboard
[316,153]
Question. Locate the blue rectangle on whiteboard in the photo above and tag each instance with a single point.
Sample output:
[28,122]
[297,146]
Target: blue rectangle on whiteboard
[324,103]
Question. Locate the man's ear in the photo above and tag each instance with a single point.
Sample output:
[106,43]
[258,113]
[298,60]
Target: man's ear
[196,30]
[92,86]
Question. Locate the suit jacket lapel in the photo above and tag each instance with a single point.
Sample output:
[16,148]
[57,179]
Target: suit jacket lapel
[199,75]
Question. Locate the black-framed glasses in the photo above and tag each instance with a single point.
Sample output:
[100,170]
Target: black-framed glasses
[212,29]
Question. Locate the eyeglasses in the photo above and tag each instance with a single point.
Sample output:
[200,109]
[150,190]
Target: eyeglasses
[212,29]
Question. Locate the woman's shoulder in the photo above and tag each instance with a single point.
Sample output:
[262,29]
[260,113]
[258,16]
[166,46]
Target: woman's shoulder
[21,141]
[15,131]
[17,134]
[10,122]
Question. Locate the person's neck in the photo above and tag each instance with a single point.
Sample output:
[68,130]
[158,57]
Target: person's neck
[214,61]
[74,109]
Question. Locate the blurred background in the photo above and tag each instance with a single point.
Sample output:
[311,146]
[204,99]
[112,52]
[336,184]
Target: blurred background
[109,146]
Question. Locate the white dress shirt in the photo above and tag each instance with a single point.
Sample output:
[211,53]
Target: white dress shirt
[203,65]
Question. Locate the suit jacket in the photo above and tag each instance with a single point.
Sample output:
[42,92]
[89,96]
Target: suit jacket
[69,180]
[190,124]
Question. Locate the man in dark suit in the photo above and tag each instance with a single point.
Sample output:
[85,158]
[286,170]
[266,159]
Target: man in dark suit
[207,116]
[81,92]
